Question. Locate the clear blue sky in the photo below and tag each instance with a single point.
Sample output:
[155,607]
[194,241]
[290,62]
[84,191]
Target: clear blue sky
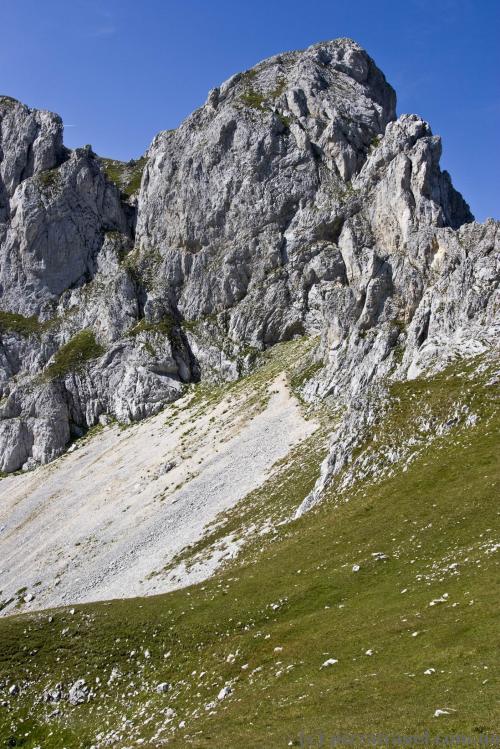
[120,70]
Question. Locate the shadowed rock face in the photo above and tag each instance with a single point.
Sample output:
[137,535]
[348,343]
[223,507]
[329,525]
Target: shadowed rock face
[292,202]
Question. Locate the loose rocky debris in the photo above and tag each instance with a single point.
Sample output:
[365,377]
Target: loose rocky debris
[123,537]
[79,692]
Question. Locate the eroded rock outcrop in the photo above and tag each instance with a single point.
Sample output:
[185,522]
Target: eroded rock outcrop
[293,202]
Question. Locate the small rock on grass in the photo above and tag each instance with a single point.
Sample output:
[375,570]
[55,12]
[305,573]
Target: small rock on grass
[329,662]
[79,692]
[162,687]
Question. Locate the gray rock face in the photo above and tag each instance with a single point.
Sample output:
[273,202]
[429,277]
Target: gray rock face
[31,143]
[79,693]
[242,202]
[293,202]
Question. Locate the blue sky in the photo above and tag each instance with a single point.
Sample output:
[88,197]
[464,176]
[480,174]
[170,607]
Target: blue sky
[120,70]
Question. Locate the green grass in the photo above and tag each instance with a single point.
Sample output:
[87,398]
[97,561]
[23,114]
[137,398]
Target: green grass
[143,266]
[294,588]
[253,99]
[8,101]
[48,178]
[285,121]
[165,326]
[74,354]
[126,176]
[304,373]
[11,322]
[279,88]
[293,478]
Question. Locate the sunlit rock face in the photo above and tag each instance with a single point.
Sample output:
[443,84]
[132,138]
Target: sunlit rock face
[293,202]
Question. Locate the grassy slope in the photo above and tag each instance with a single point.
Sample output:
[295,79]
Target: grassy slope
[441,510]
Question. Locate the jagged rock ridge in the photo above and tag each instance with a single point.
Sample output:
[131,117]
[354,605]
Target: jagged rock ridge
[293,202]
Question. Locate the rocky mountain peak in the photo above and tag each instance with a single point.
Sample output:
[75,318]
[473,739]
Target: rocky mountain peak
[31,141]
[292,203]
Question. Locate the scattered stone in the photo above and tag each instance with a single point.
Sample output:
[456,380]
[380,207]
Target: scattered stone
[355,568]
[329,662]
[114,675]
[79,692]
[53,695]
[443,599]
[380,556]
[162,687]
[164,468]
[224,692]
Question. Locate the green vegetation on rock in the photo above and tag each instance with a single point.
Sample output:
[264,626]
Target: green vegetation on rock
[125,175]
[8,101]
[280,87]
[48,178]
[165,326]
[285,121]
[11,322]
[254,99]
[74,354]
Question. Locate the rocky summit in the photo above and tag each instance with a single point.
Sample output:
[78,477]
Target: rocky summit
[294,202]
[248,426]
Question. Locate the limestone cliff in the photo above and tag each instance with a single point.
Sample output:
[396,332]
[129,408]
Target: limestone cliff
[294,202]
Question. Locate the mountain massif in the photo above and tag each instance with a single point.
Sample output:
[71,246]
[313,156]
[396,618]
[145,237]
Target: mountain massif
[285,300]
[294,202]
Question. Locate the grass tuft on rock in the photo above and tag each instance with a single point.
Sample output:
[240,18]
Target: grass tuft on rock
[74,354]
[253,99]
[165,326]
[12,322]
[126,176]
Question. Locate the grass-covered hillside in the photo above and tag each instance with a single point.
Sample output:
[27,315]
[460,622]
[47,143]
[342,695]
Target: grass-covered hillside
[392,580]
